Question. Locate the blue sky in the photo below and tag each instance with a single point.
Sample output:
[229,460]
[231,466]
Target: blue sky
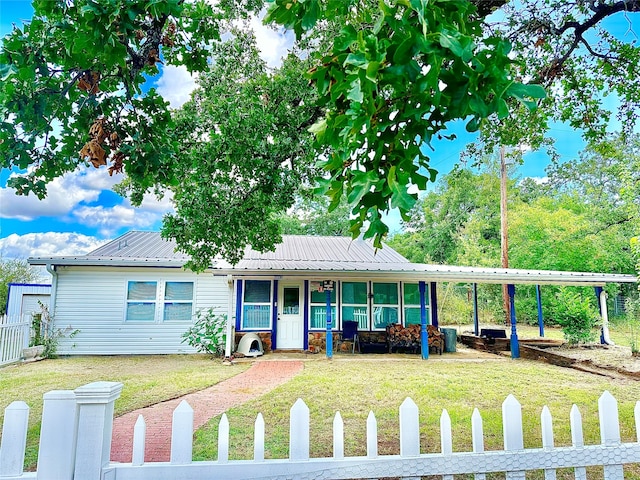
[81,212]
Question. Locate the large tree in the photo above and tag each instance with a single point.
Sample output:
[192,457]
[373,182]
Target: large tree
[389,78]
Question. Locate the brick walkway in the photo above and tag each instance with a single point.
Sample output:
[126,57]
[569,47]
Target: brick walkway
[262,377]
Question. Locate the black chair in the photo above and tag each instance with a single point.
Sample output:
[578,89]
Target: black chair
[349,334]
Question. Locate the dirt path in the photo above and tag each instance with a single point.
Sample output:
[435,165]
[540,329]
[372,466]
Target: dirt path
[261,378]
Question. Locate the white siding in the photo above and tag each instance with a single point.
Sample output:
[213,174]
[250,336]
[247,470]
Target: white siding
[15,304]
[93,301]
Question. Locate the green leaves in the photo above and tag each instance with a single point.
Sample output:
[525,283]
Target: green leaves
[389,89]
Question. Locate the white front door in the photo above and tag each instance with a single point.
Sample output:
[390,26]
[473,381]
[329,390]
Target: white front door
[290,317]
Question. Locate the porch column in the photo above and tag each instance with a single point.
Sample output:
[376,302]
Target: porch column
[602,305]
[424,337]
[515,346]
[329,340]
[274,318]
[434,304]
[230,340]
[540,319]
[476,322]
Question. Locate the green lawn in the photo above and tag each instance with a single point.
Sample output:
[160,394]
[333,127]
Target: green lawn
[147,380]
[354,386]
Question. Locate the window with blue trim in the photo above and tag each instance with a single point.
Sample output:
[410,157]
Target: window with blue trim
[411,297]
[355,305]
[318,309]
[385,305]
[256,305]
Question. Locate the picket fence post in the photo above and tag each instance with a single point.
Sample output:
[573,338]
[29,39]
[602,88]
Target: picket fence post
[477,440]
[182,434]
[512,431]
[14,439]
[299,431]
[57,450]
[139,441]
[223,439]
[610,431]
[95,425]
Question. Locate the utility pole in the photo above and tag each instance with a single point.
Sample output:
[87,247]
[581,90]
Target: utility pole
[504,242]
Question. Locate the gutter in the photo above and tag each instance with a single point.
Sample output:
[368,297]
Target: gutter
[54,288]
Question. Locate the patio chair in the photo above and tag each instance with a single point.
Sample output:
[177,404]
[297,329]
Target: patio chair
[349,334]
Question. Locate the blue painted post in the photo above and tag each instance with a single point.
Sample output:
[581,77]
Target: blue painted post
[274,319]
[515,346]
[598,292]
[476,322]
[306,316]
[329,324]
[424,337]
[434,304]
[239,305]
[540,319]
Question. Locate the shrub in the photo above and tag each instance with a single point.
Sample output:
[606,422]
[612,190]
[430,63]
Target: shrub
[208,333]
[576,316]
[632,313]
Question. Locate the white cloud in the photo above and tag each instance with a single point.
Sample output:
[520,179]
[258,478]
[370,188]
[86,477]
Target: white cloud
[47,244]
[273,44]
[108,220]
[63,195]
[175,85]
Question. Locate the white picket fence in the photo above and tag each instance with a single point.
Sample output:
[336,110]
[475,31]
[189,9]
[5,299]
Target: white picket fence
[75,443]
[14,336]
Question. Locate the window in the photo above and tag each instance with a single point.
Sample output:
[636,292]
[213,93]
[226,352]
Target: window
[178,301]
[141,301]
[150,301]
[385,304]
[318,309]
[354,303]
[256,308]
[412,304]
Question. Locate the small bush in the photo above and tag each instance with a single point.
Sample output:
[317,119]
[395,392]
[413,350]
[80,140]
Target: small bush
[576,316]
[208,333]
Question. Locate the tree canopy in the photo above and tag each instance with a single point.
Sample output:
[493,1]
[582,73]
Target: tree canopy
[387,77]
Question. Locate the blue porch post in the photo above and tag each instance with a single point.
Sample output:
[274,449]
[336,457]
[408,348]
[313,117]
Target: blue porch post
[329,325]
[424,338]
[274,319]
[476,322]
[305,343]
[540,319]
[238,304]
[515,346]
[434,304]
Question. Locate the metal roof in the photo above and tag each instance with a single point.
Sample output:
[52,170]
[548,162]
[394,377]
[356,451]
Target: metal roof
[319,257]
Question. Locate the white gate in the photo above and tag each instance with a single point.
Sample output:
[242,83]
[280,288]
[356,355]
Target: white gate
[14,336]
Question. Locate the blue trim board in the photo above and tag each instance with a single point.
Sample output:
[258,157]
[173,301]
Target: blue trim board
[540,317]
[274,318]
[424,337]
[238,303]
[515,345]
[29,285]
[305,317]
[433,293]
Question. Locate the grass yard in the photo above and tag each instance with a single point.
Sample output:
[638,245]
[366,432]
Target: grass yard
[147,380]
[356,385]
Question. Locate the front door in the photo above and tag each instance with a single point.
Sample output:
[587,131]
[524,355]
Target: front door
[290,318]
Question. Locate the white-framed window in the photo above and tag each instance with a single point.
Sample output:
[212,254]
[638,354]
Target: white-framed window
[355,303]
[411,301]
[159,300]
[178,301]
[256,304]
[318,309]
[386,305]
[141,301]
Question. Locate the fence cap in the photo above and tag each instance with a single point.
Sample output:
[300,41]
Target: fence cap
[98,392]
[59,395]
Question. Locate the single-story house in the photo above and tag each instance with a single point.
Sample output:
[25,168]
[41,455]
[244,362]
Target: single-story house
[23,299]
[133,296]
